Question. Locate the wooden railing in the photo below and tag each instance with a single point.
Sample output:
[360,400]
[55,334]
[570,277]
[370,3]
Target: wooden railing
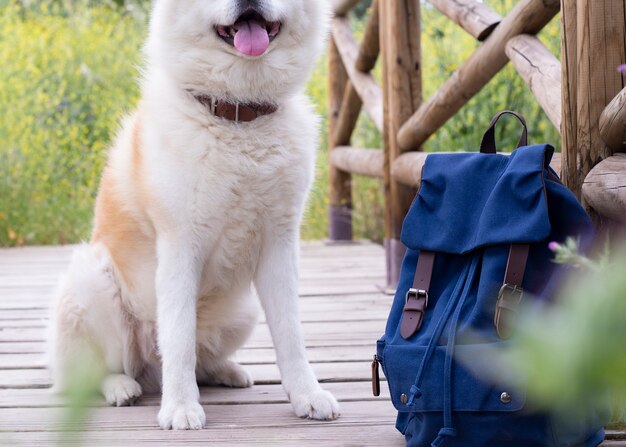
[584,98]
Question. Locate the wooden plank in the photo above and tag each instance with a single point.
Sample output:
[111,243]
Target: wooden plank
[272,394]
[307,435]
[10,315]
[355,307]
[277,416]
[245,356]
[262,374]
[25,323]
[22,347]
[328,333]
[308,287]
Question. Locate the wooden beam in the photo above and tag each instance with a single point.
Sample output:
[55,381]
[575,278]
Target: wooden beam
[613,123]
[478,19]
[407,169]
[604,188]
[541,71]
[370,43]
[400,38]
[528,17]
[348,116]
[343,7]
[340,210]
[364,83]
[367,162]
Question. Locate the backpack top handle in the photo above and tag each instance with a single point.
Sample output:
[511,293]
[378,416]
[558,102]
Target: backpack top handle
[488,144]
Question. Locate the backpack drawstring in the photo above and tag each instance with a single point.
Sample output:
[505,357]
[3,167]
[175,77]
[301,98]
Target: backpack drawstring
[415,392]
[451,314]
[448,431]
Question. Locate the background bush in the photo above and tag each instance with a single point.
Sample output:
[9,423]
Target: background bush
[69,73]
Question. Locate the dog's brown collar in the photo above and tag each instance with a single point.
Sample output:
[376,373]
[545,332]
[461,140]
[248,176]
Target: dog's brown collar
[238,112]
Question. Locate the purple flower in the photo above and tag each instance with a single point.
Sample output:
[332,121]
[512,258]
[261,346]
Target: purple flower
[622,68]
[554,246]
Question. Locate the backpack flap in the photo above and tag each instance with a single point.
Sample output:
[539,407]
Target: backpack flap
[471,200]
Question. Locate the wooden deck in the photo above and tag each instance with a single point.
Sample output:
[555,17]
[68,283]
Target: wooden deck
[343,315]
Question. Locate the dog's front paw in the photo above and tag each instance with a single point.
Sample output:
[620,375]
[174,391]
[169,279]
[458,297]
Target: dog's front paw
[318,404]
[188,416]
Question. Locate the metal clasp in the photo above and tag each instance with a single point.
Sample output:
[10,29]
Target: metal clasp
[416,293]
[509,299]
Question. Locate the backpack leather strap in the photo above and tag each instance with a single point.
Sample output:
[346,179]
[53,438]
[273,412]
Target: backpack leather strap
[417,296]
[511,292]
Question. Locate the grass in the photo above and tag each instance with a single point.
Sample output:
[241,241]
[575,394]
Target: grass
[69,74]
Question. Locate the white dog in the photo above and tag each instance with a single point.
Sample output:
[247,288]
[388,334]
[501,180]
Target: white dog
[201,198]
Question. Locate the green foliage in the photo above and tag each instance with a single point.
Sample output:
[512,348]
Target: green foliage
[69,73]
[570,356]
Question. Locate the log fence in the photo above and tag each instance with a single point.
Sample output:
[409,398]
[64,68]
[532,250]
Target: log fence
[584,97]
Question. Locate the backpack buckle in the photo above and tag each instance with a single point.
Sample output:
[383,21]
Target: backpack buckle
[415,303]
[416,293]
[507,305]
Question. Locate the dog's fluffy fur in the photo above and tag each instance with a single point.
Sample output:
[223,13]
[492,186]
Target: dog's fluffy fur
[194,209]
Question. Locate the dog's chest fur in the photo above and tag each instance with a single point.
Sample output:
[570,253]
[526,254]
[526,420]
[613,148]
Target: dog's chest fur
[224,187]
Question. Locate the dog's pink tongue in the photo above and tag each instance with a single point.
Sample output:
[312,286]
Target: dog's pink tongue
[251,38]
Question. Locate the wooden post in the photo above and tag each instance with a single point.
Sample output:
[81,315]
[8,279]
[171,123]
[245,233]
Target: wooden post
[569,76]
[599,36]
[340,211]
[402,91]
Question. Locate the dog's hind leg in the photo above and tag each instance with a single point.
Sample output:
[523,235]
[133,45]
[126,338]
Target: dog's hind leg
[120,390]
[86,330]
[216,344]
[224,372]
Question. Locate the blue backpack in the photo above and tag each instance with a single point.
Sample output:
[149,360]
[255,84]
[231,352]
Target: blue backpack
[477,236]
